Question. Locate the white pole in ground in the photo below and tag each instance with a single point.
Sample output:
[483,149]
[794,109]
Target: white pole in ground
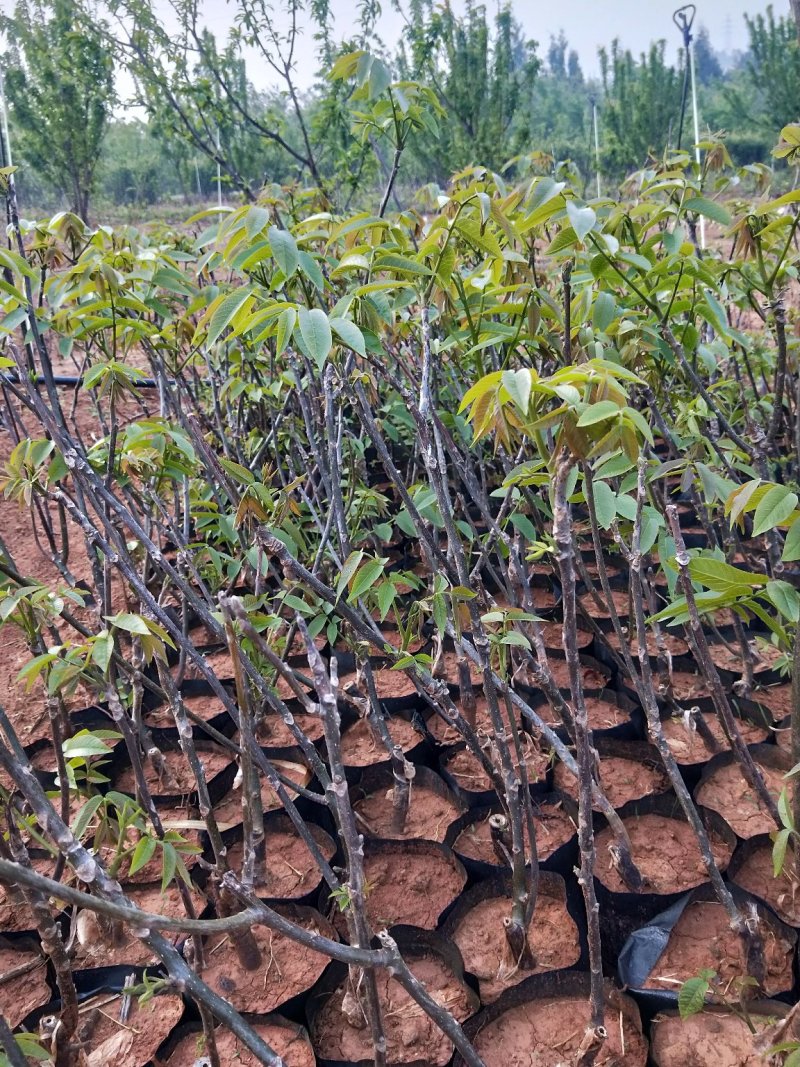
[596,145]
[696,132]
[219,175]
[6,137]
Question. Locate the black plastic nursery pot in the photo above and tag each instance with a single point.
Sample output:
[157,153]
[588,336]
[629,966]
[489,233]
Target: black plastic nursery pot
[432,806]
[290,871]
[550,1013]
[629,770]
[413,1040]
[26,996]
[286,973]
[555,815]
[723,788]
[752,870]
[186,1046]
[219,766]
[668,857]
[719,1034]
[413,883]
[622,716]
[461,769]
[556,936]
[690,750]
[642,959]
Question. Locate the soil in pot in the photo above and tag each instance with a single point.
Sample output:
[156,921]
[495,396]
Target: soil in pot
[778,698]
[726,791]
[391,684]
[19,996]
[228,810]
[408,885]
[361,748]
[129,1044]
[756,874]
[287,968]
[619,598]
[429,813]
[185,821]
[411,1036]
[449,735]
[604,713]
[713,1036]
[272,731]
[287,1040]
[447,668]
[622,779]
[552,633]
[688,686]
[594,677]
[548,1031]
[15,915]
[702,938]
[671,643]
[98,946]
[688,746]
[177,779]
[467,773]
[290,871]
[480,936]
[729,658]
[665,851]
[205,705]
[554,827]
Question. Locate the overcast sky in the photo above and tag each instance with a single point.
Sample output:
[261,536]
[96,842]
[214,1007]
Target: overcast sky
[586,23]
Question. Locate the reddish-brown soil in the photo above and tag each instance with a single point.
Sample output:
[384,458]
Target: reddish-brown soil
[603,714]
[286,970]
[290,871]
[619,598]
[405,887]
[449,735]
[466,771]
[592,677]
[360,746]
[727,792]
[778,698]
[290,1042]
[549,1031]
[622,780]
[392,684]
[273,732]
[688,685]
[554,828]
[480,936]
[429,814]
[448,668]
[757,876]
[714,1036]
[688,746]
[96,949]
[15,915]
[702,938]
[410,1033]
[730,659]
[184,820]
[22,994]
[134,1043]
[205,706]
[670,642]
[552,635]
[228,811]
[178,779]
[665,851]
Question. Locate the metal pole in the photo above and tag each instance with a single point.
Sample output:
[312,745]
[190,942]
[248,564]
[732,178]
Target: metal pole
[8,161]
[696,118]
[219,175]
[596,145]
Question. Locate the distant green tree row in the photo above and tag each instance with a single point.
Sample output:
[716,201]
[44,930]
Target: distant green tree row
[494,100]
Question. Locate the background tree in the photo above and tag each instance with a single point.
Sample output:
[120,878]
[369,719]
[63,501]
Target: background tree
[60,88]
[642,101]
[774,67]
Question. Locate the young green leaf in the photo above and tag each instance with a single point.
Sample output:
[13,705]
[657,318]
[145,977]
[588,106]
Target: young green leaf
[315,331]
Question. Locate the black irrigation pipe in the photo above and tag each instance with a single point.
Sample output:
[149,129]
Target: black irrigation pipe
[67,379]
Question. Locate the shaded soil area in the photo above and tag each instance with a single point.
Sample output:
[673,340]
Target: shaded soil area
[727,792]
[290,1042]
[554,827]
[622,780]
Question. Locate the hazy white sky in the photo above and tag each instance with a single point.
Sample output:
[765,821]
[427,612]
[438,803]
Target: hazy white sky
[586,23]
